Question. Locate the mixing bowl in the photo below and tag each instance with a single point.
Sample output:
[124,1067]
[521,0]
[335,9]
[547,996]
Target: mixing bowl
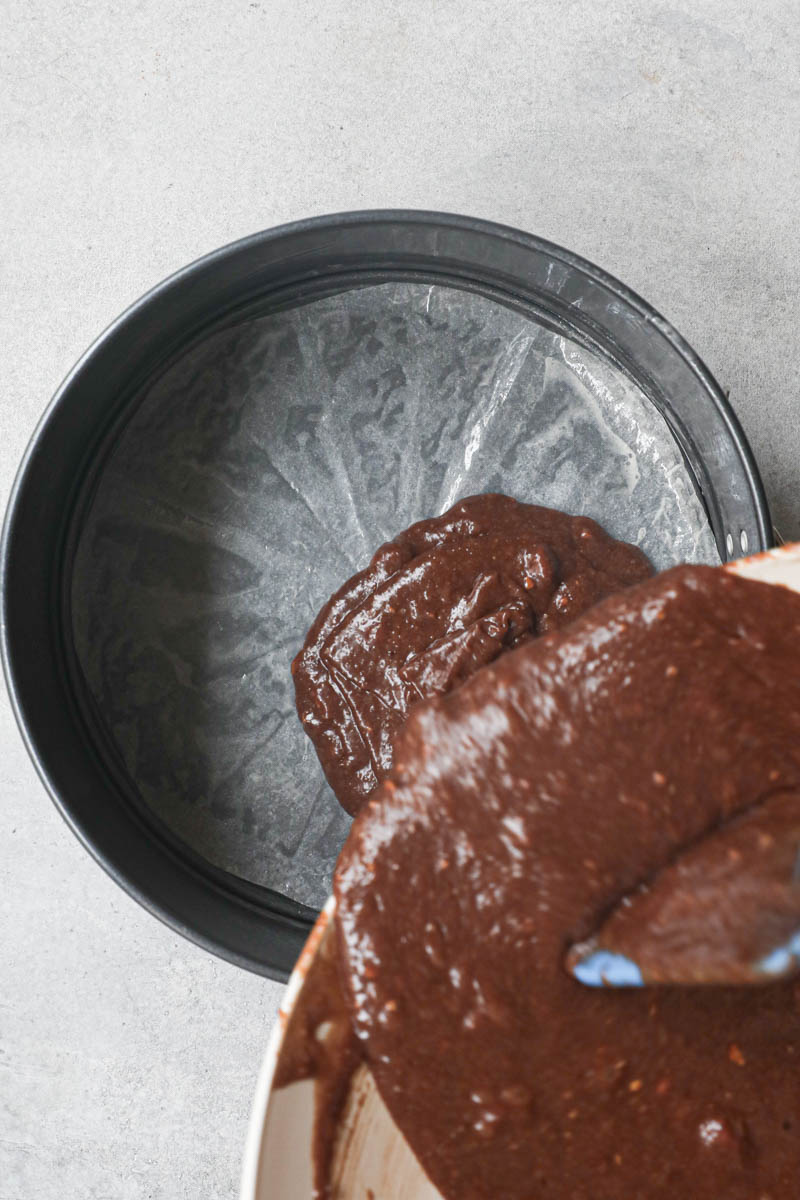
[371,1157]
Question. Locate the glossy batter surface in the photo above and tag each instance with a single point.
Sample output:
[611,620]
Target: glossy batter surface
[521,807]
[444,598]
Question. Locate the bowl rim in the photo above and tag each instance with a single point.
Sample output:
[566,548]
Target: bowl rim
[259,1109]
[289,928]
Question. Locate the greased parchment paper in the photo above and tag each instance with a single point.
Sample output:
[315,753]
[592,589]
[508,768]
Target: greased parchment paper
[267,466]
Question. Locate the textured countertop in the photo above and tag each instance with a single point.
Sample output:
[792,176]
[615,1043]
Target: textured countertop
[659,140]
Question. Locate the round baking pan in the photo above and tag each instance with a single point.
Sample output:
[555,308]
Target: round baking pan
[252,925]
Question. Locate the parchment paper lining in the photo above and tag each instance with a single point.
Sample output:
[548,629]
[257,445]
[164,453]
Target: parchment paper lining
[263,469]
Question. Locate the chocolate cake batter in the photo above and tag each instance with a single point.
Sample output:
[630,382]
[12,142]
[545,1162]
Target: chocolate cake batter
[443,599]
[521,807]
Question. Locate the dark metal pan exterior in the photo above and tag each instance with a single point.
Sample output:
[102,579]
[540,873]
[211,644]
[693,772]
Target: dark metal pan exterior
[249,925]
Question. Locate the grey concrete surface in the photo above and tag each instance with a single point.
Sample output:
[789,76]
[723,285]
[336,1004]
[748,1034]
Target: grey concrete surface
[658,139]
